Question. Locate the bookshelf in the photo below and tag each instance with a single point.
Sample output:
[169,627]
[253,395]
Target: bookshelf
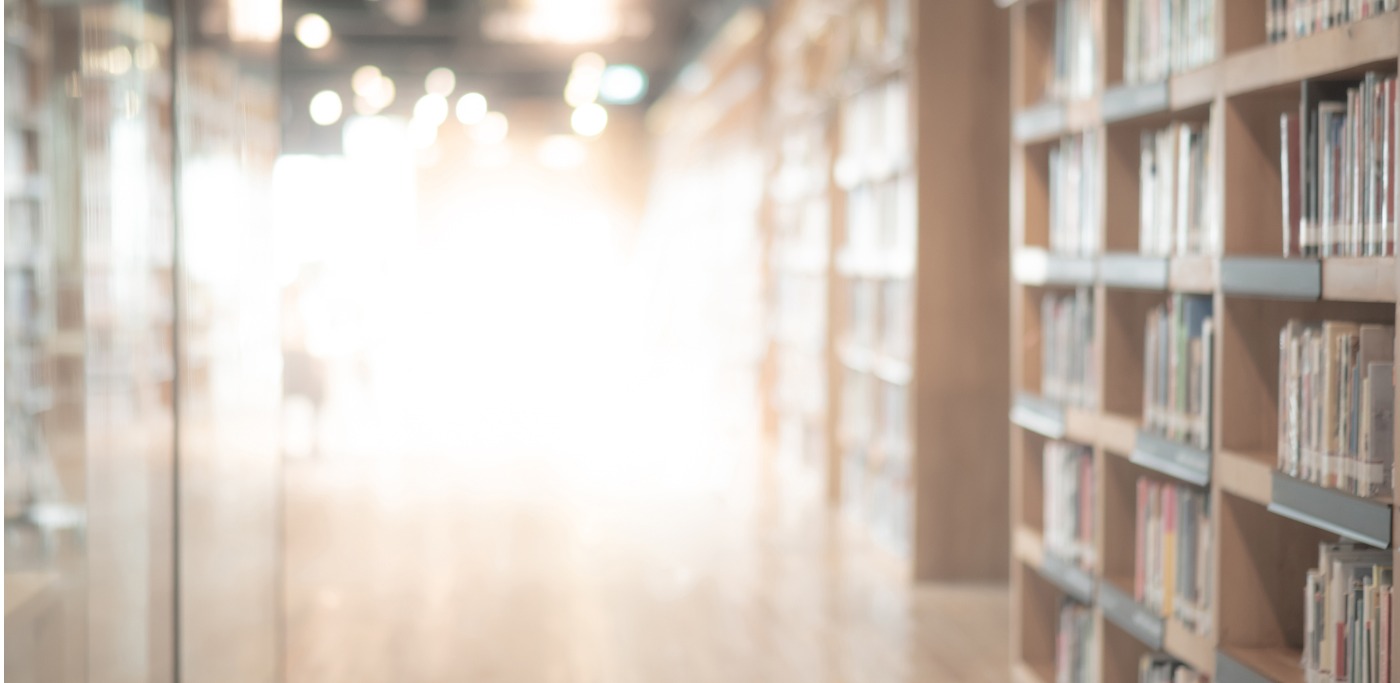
[910,383]
[1208,116]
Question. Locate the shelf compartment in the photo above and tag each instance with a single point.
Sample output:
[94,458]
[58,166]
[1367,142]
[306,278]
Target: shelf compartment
[1359,279]
[1134,271]
[1039,415]
[1172,458]
[1277,278]
[1259,665]
[1126,102]
[1362,520]
[1140,622]
[1038,267]
[1193,274]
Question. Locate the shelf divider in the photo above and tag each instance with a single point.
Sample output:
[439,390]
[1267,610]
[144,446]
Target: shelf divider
[1172,458]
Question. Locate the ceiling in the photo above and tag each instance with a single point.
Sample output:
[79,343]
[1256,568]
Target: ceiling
[433,33]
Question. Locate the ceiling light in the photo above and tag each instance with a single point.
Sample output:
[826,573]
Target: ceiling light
[431,109]
[326,108]
[440,81]
[589,120]
[364,79]
[622,84]
[492,129]
[313,31]
[423,133]
[255,21]
[471,108]
[589,62]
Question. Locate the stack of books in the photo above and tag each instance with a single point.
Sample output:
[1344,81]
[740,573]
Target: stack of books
[1174,547]
[1067,340]
[1177,368]
[1336,166]
[1164,37]
[1155,668]
[1337,405]
[1074,67]
[1074,644]
[1069,502]
[1076,194]
[1290,19]
[1347,629]
[1176,205]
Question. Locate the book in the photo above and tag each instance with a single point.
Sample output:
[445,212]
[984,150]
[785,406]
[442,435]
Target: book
[1173,551]
[1286,20]
[1346,610]
[1336,405]
[1160,668]
[1178,369]
[1074,644]
[1166,37]
[1069,502]
[1067,347]
[1175,194]
[1076,195]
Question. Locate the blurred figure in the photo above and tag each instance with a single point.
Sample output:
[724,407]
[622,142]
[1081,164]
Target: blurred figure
[303,371]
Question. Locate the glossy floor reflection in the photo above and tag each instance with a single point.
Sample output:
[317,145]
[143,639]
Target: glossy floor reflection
[519,568]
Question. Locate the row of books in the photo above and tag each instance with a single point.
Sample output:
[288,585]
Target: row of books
[881,316]
[1069,502]
[1076,193]
[1336,169]
[1074,644]
[1072,71]
[1291,19]
[1157,668]
[1174,550]
[1067,347]
[1337,405]
[882,217]
[877,498]
[1177,369]
[1167,36]
[1347,616]
[1175,204]
[875,124]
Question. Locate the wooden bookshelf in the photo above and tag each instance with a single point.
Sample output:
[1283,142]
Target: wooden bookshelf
[913,399]
[1265,525]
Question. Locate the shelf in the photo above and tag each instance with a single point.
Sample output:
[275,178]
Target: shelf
[1259,665]
[1276,278]
[1193,274]
[1038,267]
[1040,123]
[1345,49]
[1190,647]
[1172,458]
[1359,279]
[1362,520]
[1024,673]
[1248,477]
[1126,102]
[1042,416]
[1028,547]
[1134,618]
[1118,434]
[1134,271]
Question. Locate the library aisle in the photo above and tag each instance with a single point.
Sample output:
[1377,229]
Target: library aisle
[424,563]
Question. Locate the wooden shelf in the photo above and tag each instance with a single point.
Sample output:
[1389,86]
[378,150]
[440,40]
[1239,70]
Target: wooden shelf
[1348,49]
[1275,278]
[1118,434]
[1259,665]
[1137,620]
[1053,420]
[1172,458]
[1194,274]
[1359,279]
[1128,102]
[1190,647]
[1248,476]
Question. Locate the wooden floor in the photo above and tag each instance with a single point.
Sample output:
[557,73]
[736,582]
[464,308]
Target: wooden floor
[525,569]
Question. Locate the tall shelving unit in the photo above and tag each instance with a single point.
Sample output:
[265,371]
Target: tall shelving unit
[913,405]
[1265,525]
